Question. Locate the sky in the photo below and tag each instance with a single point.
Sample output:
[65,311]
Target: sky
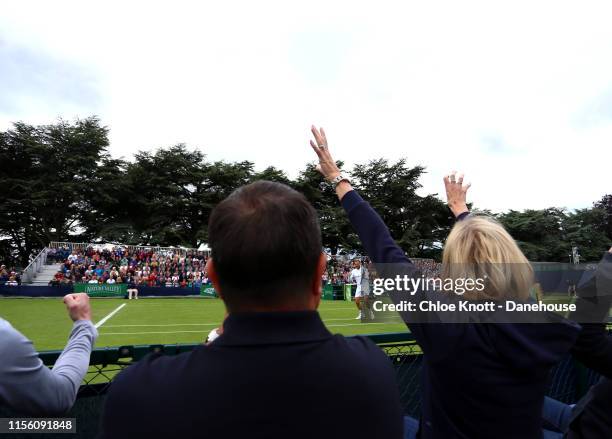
[518,95]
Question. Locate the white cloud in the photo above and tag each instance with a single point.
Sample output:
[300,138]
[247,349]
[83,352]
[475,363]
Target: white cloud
[436,83]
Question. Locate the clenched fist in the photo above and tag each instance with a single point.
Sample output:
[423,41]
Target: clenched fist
[78,306]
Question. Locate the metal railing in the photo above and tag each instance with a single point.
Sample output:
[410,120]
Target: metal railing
[84,245]
[34,267]
[569,380]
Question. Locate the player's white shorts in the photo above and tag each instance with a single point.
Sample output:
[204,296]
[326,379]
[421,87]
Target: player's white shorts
[363,291]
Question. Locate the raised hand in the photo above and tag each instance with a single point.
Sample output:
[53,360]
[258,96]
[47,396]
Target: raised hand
[78,306]
[327,166]
[456,192]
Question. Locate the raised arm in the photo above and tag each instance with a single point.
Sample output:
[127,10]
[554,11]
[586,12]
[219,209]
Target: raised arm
[389,258]
[327,165]
[372,231]
[456,194]
[26,384]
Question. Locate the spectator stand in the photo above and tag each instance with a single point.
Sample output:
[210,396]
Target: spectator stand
[107,270]
[336,280]
[155,271]
[35,266]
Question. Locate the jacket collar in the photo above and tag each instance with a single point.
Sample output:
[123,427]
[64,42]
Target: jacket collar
[261,328]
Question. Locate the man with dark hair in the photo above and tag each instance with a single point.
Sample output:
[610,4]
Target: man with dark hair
[269,233]
[275,371]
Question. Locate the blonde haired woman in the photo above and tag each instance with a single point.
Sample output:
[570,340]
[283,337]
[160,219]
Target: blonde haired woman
[478,247]
[479,379]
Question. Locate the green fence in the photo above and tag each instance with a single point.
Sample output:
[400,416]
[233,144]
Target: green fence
[569,380]
[334,292]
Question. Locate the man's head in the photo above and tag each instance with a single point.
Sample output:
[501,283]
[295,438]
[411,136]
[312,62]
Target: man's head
[266,249]
[357,263]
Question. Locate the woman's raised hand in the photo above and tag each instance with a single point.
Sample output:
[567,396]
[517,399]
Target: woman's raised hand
[327,166]
[456,192]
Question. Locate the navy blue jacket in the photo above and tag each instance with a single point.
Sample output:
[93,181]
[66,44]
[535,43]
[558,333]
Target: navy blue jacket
[594,345]
[592,416]
[269,375]
[478,380]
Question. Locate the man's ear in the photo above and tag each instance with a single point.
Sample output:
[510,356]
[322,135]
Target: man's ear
[317,284]
[214,278]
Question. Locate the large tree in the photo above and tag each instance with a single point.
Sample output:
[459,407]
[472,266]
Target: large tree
[586,229]
[539,233]
[59,183]
[337,234]
[165,196]
[109,196]
[606,205]
[419,224]
[272,174]
[45,172]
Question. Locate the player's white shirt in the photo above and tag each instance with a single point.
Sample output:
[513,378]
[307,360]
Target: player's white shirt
[365,281]
[355,277]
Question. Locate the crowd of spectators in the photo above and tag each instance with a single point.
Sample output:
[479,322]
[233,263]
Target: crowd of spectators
[168,268]
[135,267]
[9,276]
[339,269]
[429,268]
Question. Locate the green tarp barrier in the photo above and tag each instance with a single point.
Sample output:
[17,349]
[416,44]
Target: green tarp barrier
[101,290]
[208,291]
[328,291]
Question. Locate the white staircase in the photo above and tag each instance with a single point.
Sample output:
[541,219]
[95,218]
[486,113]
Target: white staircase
[45,274]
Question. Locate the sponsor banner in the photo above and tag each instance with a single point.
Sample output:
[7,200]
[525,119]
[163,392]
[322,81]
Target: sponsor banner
[102,290]
[208,291]
[328,292]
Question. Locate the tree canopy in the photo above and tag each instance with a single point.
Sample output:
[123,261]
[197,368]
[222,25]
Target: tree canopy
[59,183]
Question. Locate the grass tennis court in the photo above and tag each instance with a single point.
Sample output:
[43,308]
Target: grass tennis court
[155,321]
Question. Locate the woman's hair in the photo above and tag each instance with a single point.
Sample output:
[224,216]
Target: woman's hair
[479,247]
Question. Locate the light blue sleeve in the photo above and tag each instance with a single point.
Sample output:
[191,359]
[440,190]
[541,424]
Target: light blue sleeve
[28,386]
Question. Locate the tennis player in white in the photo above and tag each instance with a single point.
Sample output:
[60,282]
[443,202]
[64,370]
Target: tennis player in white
[359,275]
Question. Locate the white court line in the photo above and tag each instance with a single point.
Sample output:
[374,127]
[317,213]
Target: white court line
[330,320]
[200,332]
[154,332]
[167,325]
[105,319]
[191,324]
[340,308]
